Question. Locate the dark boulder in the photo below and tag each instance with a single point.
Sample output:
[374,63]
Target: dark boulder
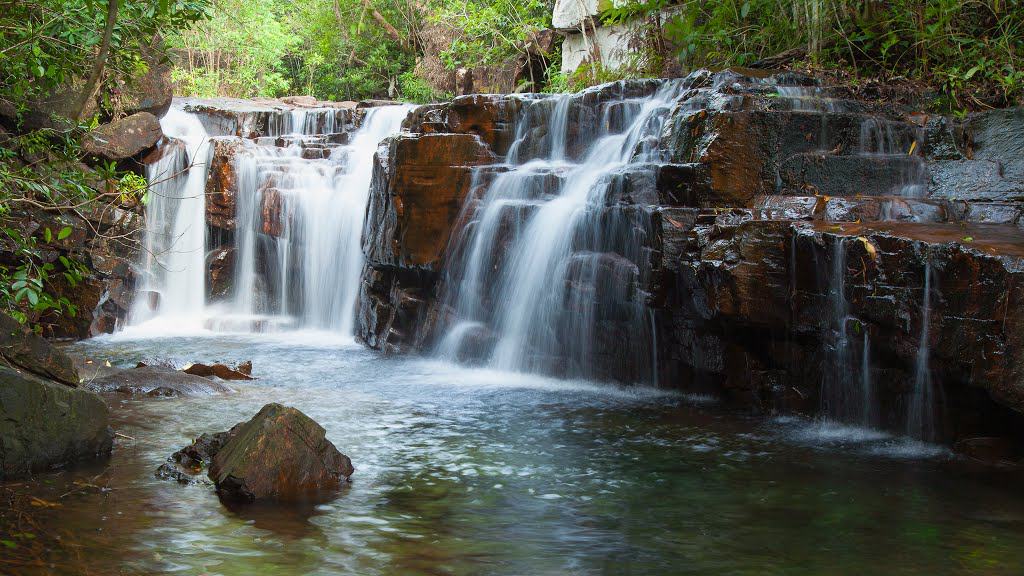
[279,455]
[23,349]
[123,138]
[156,381]
[45,424]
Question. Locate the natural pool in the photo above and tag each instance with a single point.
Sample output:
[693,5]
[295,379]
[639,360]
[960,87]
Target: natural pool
[463,471]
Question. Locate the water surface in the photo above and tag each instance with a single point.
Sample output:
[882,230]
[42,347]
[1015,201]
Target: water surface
[462,471]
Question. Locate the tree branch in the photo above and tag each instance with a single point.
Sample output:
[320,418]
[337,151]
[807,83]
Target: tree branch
[93,83]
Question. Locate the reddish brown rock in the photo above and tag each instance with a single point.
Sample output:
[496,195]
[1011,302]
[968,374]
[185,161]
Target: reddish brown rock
[413,207]
[279,455]
[242,372]
[273,214]
[222,183]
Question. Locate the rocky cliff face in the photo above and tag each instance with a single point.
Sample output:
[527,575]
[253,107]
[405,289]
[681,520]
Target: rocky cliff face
[799,249]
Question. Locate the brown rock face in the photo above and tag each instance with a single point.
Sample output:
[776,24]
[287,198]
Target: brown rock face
[222,183]
[413,206]
[780,221]
[279,455]
[123,138]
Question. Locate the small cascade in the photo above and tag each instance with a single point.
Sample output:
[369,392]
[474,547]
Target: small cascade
[548,275]
[172,279]
[807,99]
[845,396]
[300,211]
[890,142]
[867,387]
[921,409]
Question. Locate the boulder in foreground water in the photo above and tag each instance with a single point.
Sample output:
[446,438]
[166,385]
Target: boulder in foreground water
[279,455]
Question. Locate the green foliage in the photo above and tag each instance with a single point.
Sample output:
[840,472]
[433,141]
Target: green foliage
[415,89]
[47,45]
[346,49]
[47,50]
[238,51]
[491,31]
[971,50]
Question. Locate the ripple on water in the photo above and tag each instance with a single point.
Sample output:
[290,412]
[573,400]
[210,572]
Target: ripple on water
[469,471]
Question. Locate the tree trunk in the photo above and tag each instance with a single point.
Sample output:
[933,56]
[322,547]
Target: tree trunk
[391,30]
[92,84]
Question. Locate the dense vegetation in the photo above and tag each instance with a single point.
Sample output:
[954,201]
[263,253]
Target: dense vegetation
[970,53]
[346,49]
[64,66]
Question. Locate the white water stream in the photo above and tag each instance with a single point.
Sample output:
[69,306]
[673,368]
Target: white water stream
[300,202]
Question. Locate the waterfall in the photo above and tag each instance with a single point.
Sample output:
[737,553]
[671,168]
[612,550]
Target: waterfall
[867,390]
[300,199]
[299,217]
[921,411]
[173,281]
[550,266]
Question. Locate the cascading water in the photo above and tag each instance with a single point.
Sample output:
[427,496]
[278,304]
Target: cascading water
[300,211]
[300,200]
[549,264]
[173,285]
[921,410]
[890,142]
[841,396]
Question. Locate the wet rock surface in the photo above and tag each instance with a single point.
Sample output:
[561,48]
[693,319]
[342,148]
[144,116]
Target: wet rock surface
[22,349]
[190,464]
[280,455]
[46,424]
[155,381]
[241,372]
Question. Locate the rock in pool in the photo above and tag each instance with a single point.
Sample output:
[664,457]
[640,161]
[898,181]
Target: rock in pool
[156,381]
[280,455]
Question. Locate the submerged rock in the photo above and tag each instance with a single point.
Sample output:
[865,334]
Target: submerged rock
[279,455]
[156,381]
